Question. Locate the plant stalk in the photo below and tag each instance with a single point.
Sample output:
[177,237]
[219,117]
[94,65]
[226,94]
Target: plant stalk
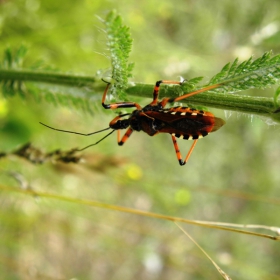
[263,106]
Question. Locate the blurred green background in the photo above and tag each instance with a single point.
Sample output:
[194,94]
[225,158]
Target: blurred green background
[232,176]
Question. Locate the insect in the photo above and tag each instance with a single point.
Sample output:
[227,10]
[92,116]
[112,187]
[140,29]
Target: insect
[180,122]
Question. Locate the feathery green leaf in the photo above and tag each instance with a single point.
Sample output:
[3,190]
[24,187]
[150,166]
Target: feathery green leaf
[119,44]
[260,73]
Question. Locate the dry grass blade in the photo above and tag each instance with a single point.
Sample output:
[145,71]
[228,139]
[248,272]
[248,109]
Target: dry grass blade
[222,273]
[136,212]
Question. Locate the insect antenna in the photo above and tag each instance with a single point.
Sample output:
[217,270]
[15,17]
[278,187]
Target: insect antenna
[83,134]
[79,150]
[74,132]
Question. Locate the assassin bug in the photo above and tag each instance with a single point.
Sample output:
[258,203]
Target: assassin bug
[181,122]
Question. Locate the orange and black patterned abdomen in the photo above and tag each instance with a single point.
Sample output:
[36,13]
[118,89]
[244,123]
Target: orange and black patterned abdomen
[185,123]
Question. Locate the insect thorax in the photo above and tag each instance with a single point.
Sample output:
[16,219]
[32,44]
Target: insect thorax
[141,120]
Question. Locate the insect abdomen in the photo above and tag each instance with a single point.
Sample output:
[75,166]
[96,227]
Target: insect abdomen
[190,124]
[190,137]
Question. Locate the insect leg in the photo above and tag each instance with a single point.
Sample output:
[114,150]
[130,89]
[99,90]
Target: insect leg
[122,140]
[157,87]
[171,100]
[129,131]
[118,104]
[178,153]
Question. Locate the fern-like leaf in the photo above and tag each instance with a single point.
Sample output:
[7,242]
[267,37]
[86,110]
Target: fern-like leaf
[13,60]
[260,73]
[119,44]
[43,85]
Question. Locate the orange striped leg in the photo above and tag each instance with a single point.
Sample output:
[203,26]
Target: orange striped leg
[115,126]
[118,104]
[157,87]
[125,137]
[178,153]
[170,100]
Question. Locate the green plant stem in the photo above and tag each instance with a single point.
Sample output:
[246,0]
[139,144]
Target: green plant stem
[263,106]
[46,77]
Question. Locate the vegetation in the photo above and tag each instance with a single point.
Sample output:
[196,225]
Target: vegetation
[106,213]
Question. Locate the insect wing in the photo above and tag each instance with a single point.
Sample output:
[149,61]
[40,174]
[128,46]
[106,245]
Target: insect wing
[186,123]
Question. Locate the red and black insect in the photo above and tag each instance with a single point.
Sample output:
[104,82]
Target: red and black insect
[181,122]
